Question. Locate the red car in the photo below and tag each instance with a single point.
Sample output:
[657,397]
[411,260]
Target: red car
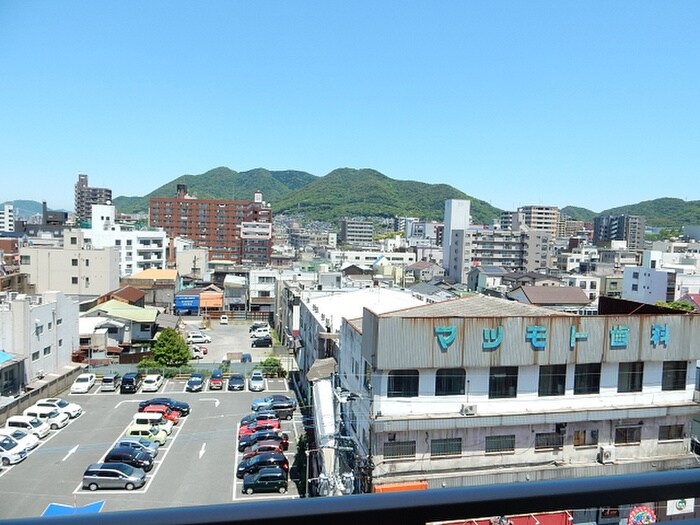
[168,413]
[265,424]
[263,447]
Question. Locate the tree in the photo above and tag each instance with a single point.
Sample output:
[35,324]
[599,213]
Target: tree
[677,305]
[170,348]
[272,367]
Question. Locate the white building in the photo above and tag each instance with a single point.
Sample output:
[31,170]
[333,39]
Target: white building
[138,249]
[42,329]
[457,219]
[7,218]
[342,258]
[479,391]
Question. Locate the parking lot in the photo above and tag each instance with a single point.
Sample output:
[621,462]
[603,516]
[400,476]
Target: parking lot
[196,466]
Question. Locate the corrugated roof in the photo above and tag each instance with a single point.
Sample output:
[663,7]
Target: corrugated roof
[475,306]
[114,308]
[129,293]
[155,273]
[554,294]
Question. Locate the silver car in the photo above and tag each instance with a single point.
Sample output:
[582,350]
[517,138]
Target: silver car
[256,381]
[139,443]
[113,476]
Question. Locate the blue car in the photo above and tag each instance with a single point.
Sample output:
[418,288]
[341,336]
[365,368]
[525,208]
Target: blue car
[195,383]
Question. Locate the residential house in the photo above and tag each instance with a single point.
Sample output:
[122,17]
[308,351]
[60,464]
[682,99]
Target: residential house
[558,298]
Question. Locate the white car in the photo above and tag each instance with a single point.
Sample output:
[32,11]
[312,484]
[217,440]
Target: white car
[26,441]
[197,338]
[152,383]
[29,424]
[10,451]
[72,409]
[82,384]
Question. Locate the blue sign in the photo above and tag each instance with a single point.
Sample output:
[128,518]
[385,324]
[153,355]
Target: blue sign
[619,336]
[186,302]
[537,335]
[445,336]
[659,335]
[492,338]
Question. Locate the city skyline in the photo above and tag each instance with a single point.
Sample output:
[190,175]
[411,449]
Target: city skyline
[587,105]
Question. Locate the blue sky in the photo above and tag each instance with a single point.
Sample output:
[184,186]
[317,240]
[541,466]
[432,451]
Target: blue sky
[592,104]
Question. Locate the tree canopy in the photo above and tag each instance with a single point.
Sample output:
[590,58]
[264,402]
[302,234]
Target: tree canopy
[170,348]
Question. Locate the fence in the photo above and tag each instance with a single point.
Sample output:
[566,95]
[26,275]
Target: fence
[51,388]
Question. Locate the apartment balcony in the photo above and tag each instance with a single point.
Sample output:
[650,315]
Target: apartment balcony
[464,505]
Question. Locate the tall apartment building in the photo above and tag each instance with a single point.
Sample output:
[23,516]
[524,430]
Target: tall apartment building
[7,218]
[628,228]
[519,251]
[356,232]
[237,231]
[457,221]
[540,218]
[86,196]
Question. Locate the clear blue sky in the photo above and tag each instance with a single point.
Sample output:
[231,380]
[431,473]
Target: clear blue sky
[594,104]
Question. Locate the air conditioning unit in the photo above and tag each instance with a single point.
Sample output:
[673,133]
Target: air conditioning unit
[40,373]
[606,454]
[468,410]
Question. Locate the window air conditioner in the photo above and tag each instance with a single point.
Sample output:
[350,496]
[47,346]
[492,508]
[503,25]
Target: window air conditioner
[606,454]
[468,410]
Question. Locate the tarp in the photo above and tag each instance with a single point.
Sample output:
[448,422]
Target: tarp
[58,509]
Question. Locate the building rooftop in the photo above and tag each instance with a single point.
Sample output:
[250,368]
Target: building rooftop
[115,308]
[155,274]
[553,294]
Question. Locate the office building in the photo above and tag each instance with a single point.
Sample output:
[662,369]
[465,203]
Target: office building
[629,228]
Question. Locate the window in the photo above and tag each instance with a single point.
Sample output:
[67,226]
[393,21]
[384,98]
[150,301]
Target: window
[505,443]
[635,287]
[264,293]
[587,379]
[669,432]
[144,327]
[503,382]
[87,262]
[403,383]
[446,447]
[628,435]
[629,377]
[584,438]
[128,242]
[74,280]
[35,356]
[74,240]
[635,275]
[399,449]
[74,262]
[450,382]
[548,440]
[59,321]
[25,259]
[47,350]
[60,342]
[673,375]
[552,380]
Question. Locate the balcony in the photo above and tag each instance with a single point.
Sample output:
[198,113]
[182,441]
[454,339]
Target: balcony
[419,507]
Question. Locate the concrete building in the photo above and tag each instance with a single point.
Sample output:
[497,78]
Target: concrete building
[544,218]
[194,263]
[455,254]
[521,250]
[342,258]
[629,228]
[160,286]
[7,218]
[233,231]
[75,268]
[39,330]
[138,249]
[480,391]
[356,232]
[86,196]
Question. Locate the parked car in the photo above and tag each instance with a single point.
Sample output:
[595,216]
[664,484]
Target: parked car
[111,382]
[265,435]
[216,381]
[152,383]
[154,419]
[256,381]
[180,406]
[139,443]
[265,424]
[113,476]
[223,319]
[236,382]
[257,416]
[130,456]
[49,415]
[82,384]
[72,409]
[147,431]
[256,325]
[246,358]
[264,403]
[29,424]
[267,479]
[198,338]
[10,451]
[26,440]
[260,332]
[264,342]
[249,466]
[198,351]
[264,447]
[167,412]
[195,383]
[131,383]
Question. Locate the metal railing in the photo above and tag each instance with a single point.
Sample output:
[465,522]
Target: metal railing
[420,507]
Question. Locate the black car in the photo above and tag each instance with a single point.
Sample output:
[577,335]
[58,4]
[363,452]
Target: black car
[265,341]
[268,479]
[263,435]
[195,383]
[257,416]
[252,465]
[136,458]
[131,383]
[182,408]
[236,382]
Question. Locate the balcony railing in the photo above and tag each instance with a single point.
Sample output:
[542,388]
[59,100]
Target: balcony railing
[420,507]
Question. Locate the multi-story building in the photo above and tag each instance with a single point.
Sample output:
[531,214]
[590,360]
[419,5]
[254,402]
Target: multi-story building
[493,391]
[545,218]
[238,231]
[7,218]
[75,268]
[516,250]
[40,330]
[628,228]
[455,256]
[356,232]
[568,227]
[86,196]
[138,249]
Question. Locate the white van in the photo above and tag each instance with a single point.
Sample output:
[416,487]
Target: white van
[260,332]
[49,415]
[154,419]
[223,319]
[29,424]
[24,439]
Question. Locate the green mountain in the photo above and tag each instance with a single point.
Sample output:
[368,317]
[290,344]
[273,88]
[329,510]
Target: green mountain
[663,213]
[224,183]
[578,214]
[350,192]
